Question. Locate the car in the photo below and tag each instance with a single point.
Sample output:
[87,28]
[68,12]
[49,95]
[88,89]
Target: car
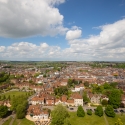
[71,108]
[121,111]
[115,110]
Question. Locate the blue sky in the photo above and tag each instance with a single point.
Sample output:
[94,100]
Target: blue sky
[82,30]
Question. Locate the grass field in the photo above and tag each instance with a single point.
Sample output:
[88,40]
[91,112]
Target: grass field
[94,120]
[87,120]
[112,121]
[18,122]
[14,93]
[22,122]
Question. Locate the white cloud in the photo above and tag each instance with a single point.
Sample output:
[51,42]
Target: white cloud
[26,50]
[2,48]
[23,18]
[74,33]
[108,45]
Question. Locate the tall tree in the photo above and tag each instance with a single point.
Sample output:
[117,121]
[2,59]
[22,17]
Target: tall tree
[85,98]
[3,111]
[109,111]
[20,111]
[80,111]
[67,122]
[99,111]
[115,98]
[59,114]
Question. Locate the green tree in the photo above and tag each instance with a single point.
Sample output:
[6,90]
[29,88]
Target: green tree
[20,111]
[3,111]
[109,111]
[59,114]
[89,112]
[99,111]
[118,122]
[104,102]
[86,84]
[85,98]
[80,111]
[19,100]
[113,84]
[67,122]
[115,98]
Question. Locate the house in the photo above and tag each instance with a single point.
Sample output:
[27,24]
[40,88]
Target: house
[78,100]
[104,97]
[70,102]
[63,82]
[78,88]
[36,112]
[49,100]
[37,100]
[94,98]
[58,101]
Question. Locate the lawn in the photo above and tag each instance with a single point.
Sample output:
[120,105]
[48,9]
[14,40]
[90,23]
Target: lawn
[87,120]
[94,120]
[112,121]
[7,121]
[22,122]
[14,93]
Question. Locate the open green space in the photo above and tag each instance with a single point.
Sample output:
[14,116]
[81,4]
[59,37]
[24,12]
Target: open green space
[14,93]
[22,122]
[7,122]
[112,121]
[94,120]
[87,120]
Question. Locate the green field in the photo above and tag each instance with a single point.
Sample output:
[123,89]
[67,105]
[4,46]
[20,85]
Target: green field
[13,93]
[18,122]
[94,120]
[112,121]
[22,122]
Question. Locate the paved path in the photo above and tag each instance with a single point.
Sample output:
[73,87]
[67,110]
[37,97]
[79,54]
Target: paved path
[106,120]
[13,118]
[4,119]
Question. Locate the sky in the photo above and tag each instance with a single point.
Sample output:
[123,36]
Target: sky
[62,30]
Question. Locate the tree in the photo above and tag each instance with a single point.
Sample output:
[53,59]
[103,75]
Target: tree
[20,111]
[119,122]
[109,111]
[3,111]
[89,112]
[80,111]
[113,84]
[104,102]
[86,84]
[99,111]
[85,98]
[115,98]
[67,122]
[59,114]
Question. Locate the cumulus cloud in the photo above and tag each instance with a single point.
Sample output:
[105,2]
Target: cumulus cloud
[23,18]
[108,45]
[27,50]
[74,33]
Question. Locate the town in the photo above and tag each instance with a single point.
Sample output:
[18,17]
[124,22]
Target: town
[48,85]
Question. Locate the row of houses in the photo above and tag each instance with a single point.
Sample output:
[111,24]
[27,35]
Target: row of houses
[46,99]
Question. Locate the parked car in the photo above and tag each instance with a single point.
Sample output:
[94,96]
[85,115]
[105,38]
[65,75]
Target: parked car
[71,108]
[116,111]
[122,111]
